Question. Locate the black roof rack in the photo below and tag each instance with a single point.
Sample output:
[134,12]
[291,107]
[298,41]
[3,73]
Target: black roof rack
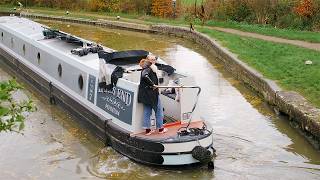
[53,33]
[85,46]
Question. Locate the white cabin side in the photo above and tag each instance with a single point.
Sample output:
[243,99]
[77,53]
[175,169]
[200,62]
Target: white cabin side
[24,39]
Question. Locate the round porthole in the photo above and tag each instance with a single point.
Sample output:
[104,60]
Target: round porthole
[80,82]
[38,57]
[60,70]
[24,49]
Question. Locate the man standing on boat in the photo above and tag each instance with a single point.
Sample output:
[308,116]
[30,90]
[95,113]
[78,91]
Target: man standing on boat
[149,95]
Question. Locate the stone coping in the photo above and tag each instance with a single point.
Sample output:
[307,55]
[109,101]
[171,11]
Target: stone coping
[290,103]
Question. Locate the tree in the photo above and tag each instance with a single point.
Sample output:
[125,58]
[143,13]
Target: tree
[306,10]
[12,112]
[162,8]
[261,9]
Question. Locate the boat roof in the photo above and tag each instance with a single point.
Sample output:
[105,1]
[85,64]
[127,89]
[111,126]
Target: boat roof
[34,32]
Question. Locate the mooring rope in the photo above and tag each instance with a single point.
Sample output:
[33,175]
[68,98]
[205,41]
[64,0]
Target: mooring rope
[52,99]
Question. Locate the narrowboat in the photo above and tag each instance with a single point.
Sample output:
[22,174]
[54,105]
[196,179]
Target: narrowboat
[100,86]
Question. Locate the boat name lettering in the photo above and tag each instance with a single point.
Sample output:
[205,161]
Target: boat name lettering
[122,94]
[118,102]
[112,109]
[91,88]
[113,101]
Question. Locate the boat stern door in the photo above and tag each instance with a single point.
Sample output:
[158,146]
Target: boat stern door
[179,100]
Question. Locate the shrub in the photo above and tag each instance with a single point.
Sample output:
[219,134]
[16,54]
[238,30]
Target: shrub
[12,113]
[235,10]
[6,2]
[279,11]
[136,6]
[289,21]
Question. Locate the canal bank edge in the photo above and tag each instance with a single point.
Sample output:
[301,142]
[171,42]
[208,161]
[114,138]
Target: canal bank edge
[300,111]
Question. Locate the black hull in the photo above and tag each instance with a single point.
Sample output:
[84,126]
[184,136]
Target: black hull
[137,149]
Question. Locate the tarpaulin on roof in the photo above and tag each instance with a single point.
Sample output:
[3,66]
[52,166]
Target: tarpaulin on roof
[123,57]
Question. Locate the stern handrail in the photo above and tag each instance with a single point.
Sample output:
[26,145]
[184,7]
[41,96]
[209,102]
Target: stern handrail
[195,104]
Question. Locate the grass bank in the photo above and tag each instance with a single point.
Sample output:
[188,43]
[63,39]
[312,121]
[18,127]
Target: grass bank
[270,31]
[279,62]
[260,29]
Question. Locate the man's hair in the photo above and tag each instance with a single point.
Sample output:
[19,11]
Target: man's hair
[145,63]
[151,57]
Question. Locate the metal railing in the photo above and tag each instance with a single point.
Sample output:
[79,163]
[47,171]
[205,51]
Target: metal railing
[195,104]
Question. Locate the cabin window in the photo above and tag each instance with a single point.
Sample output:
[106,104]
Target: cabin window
[39,57]
[80,82]
[59,70]
[24,49]
[2,36]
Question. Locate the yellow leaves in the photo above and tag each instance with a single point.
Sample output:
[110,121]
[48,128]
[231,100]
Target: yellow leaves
[162,8]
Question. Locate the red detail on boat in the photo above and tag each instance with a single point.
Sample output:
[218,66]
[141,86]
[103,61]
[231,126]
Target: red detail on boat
[176,123]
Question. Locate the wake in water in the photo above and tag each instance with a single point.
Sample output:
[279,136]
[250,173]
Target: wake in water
[107,163]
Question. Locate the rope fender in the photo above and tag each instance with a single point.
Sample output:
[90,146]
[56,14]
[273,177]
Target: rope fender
[202,154]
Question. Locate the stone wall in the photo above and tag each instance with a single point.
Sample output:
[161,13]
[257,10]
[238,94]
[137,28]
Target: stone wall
[100,22]
[290,103]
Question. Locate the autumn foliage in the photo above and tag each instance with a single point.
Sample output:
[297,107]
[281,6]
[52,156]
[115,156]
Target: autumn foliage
[162,8]
[297,14]
[305,8]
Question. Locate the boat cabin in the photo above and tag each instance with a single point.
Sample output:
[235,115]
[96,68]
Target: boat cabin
[178,103]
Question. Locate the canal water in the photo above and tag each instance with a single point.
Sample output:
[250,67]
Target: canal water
[252,142]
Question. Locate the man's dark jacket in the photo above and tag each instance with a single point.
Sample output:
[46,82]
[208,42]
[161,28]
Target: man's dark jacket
[147,94]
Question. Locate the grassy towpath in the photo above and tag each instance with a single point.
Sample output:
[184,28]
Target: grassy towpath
[283,63]
[269,30]
[304,44]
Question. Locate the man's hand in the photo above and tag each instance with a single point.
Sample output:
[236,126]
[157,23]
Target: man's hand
[154,87]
